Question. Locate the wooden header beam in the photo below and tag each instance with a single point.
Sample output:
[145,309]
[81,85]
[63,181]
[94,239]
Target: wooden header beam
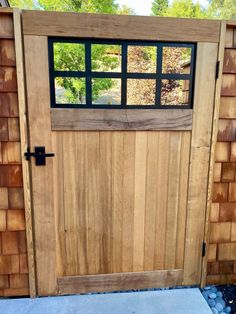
[44,23]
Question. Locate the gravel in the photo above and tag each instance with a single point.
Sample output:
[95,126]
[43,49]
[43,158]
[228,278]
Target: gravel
[218,300]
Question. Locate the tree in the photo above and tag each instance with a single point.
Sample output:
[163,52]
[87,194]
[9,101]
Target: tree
[179,8]
[23,4]
[89,6]
[222,9]
[125,10]
[159,7]
[72,56]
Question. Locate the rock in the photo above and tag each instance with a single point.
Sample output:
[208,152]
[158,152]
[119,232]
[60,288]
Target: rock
[212,295]
[205,295]
[219,294]
[219,307]
[227,309]
[211,302]
[221,301]
[214,310]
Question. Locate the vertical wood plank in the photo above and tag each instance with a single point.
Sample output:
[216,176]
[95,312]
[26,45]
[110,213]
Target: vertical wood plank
[58,173]
[70,182]
[82,215]
[139,200]
[151,199]
[183,196]
[128,201]
[200,148]
[117,200]
[93,202]
[173,200]
[42,185]
[217,104]
[105,188]
[24,144]
[162,199]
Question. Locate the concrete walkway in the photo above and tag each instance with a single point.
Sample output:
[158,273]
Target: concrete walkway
[177,301]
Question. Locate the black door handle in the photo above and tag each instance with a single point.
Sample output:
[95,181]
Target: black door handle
[39,155]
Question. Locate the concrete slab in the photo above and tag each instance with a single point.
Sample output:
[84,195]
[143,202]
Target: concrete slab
[177,301]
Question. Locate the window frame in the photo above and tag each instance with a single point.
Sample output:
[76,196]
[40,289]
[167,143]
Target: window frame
[124,75]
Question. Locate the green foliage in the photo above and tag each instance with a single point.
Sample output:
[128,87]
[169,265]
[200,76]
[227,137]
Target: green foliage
[105,57]
[125,10]
[73,90]
[186,8]
[222,9]
[159,7]
[24,4]
[89,6]
[101,84]
[71,57]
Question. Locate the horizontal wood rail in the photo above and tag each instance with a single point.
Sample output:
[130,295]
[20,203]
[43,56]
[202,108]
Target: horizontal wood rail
[120,281]
[86,25]
[121,119]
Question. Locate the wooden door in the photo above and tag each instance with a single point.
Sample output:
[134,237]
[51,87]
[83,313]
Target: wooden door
[122,204]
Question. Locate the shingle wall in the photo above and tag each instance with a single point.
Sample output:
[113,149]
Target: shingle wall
[13,258]
[222,248]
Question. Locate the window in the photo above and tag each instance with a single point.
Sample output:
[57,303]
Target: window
[120,74]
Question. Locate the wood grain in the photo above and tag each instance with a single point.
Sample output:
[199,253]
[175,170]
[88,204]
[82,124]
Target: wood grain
[6,27]
[228,108]
[129,225]
[121,119]
[199,166]
[24,144]
[119,281]
[119,27]
[42,184]
[229,65]
[124,201]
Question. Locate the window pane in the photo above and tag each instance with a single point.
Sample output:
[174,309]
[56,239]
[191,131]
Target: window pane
[142,59]
[176,60]
[106,91]
[175,92]
[106,58]
[141,92]
[69,90]
[69,57]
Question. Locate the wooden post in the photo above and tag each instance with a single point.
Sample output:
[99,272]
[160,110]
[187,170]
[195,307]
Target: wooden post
[213,147]
[24,145]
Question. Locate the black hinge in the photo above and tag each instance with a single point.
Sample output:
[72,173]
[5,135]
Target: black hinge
[217,69]
[203,249]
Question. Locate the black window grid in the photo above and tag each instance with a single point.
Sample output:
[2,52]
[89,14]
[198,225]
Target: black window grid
[124,75]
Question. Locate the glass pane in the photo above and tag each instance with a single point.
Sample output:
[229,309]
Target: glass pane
[142,59]
[70,90]
[141,92]
[175,92]
[176,60]
[106,58]
[106,91]
[69,57]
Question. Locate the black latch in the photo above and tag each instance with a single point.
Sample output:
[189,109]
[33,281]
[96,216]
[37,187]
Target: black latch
[217,69]
[39,154]
[203,249]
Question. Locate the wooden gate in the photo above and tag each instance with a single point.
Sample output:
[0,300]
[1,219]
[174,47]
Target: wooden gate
[122,203]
